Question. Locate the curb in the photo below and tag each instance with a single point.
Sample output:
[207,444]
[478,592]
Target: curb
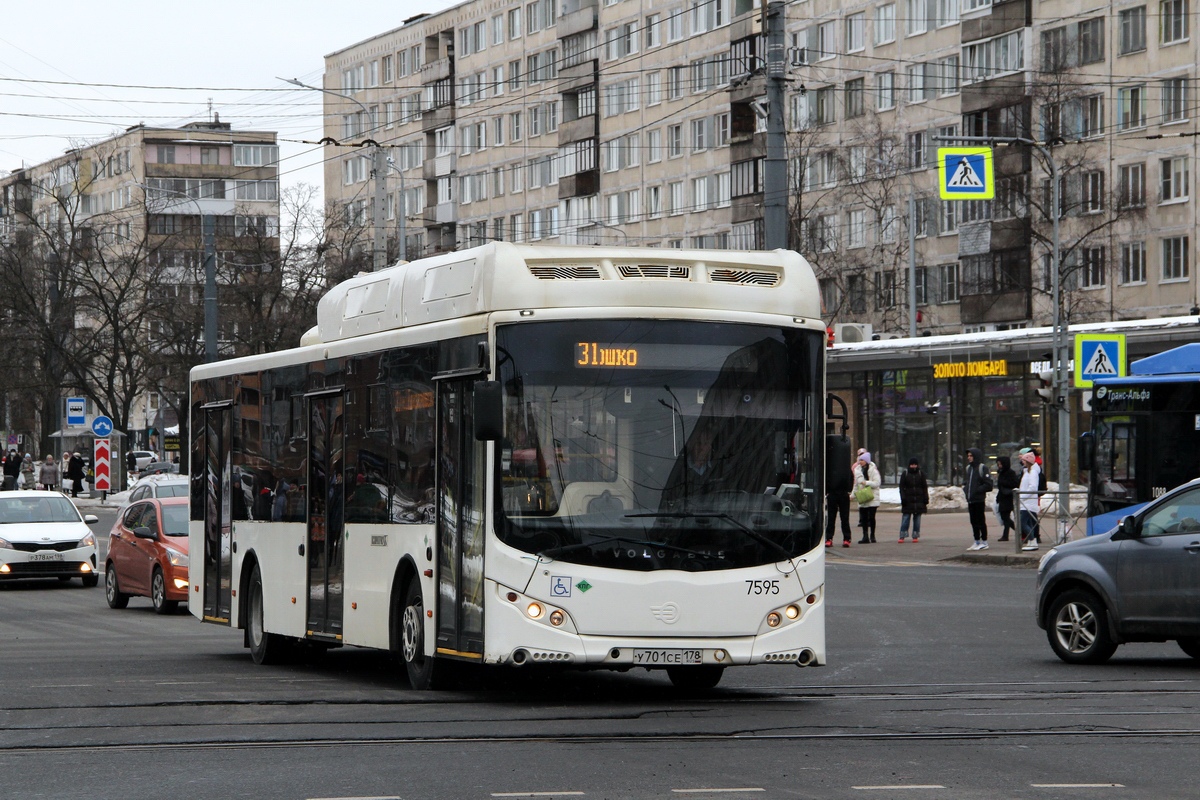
[1013,560]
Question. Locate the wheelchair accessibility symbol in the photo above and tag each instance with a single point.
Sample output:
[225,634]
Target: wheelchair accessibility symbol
[560,586]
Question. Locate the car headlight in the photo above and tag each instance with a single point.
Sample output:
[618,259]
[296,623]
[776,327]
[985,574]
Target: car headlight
[1046,558]
[177,558]
[5,545]
[87,541]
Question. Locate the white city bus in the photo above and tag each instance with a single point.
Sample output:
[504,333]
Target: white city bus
[579,456]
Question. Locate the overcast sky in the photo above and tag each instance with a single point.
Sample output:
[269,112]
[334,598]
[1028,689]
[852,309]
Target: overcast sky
[219,50]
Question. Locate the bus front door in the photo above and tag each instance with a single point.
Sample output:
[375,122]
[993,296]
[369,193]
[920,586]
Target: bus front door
[326,507]
[461,477]
[218,526]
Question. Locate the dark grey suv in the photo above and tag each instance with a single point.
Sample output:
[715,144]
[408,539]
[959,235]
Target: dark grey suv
[1139,582]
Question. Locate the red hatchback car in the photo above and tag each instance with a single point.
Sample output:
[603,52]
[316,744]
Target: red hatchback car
[148,554]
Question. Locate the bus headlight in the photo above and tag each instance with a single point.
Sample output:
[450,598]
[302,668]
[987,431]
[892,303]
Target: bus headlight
[773,619]
[534,610]
[792,611]
[556,617]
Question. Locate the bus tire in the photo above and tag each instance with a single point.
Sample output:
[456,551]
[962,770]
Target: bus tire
[1190,645]
[265,648]
[695,678]
[420,667]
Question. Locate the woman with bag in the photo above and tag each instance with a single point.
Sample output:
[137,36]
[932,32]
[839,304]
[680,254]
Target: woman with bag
[914,500]
[48,477]
[866,494]
[28,473]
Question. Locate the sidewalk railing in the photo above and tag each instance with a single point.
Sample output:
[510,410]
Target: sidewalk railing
[1071,525]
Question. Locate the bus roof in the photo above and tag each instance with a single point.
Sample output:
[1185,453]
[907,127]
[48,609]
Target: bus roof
[500,276]
[1178,364]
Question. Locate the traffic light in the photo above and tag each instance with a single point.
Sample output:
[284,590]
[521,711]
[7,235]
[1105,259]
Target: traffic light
[1046,385]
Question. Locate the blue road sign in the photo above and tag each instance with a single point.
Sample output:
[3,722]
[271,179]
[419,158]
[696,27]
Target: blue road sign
[965,173]
[1098,355]
[76,411]
[102,426]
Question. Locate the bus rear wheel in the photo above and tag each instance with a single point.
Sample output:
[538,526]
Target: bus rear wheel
[420,667]
[265,648]
[695,678]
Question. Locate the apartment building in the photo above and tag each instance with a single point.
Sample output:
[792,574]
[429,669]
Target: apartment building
[138,199]
[640,122]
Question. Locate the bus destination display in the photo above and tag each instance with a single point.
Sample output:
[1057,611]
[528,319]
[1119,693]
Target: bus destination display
[594,355]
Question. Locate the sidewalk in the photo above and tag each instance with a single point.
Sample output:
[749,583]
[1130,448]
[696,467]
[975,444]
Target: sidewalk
[945,537]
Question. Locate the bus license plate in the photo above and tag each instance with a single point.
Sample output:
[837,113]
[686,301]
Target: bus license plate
[667,658]
[46,557]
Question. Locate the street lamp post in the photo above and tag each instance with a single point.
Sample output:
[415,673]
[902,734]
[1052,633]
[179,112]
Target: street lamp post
[614,228]
[402,210]
[378,251]
[209,234]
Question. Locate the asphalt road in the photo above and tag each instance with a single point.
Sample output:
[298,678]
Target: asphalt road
[940,685]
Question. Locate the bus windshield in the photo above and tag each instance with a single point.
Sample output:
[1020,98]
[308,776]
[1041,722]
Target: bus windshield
[651,444]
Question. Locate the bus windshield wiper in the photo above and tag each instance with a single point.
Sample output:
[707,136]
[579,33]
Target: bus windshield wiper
[567,548]
[738,524]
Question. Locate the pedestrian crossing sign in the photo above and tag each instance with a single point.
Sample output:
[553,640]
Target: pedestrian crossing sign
[1098,355]
[965,173]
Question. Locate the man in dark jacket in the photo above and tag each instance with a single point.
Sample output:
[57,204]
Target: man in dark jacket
[914,500]
[12,470]
[976,485]
[1007,480]
[75,473]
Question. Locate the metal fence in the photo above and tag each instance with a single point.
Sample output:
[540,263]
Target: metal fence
[1072,525]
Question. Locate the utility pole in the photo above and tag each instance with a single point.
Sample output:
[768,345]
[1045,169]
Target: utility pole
[378,173]
[912,263]
[208,226]
[775,181]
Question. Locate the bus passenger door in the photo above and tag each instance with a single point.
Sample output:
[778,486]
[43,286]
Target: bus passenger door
[326,507]
[461,478]
[218,526]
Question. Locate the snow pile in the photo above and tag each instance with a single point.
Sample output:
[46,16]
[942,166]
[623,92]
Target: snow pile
[951,498]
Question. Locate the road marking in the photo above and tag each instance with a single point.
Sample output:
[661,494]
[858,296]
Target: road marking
[714,791]
[1078,785]
[61,686]
[898,786]
[536,794]
[384,797]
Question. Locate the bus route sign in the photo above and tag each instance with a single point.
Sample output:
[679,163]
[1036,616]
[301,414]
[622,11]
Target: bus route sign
[1098,355]
[965,173]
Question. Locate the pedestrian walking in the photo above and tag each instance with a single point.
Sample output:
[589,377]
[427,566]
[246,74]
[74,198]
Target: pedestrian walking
[28,473]
[866,494]
[1007,481]
[1030,476]
[976,485]
[12,468]
[914,500]
[75,473]
[48,477]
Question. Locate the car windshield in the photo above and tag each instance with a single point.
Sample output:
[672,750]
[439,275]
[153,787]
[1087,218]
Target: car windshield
[175,519]
[643,445]
[37,509]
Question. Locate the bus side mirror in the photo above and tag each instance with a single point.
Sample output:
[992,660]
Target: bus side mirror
[488,411]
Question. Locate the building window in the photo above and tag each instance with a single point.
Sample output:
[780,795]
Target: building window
[676,204]
[1174,99]
[1091,41]
[1173,21]
[885,24]
[855,90]
[823,106]
[886,90]
[829,295]
[885,284]
[856,293]
[1091,270]
[856,228]
[674,141]
[916,150]
[1174,179]
[948,283]
[825,41]
[1131,107]
[915,17]
[1131,188]
[1093,192]
[1133,262]
[1175,258]
[947,12]
[166,154]
[921,285]
[994,57]
[856,29]
[1132,22]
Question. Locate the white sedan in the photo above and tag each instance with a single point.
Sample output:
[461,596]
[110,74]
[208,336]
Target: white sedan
[42,535]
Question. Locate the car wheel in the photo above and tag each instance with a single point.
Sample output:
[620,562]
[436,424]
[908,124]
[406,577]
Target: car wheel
[265,648]
[1078,628]
[158,594]
[1190,645]
[112,592]
[91,580]
[695,678]
[422,669]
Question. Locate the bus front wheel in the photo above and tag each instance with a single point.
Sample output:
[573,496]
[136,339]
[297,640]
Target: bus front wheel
[419,666]
[265,648]
[695,678]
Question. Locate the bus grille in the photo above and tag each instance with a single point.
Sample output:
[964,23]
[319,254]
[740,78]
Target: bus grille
[654,271]
[580,272]
[746,277]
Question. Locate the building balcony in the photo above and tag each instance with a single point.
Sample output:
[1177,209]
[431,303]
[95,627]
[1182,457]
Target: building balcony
[437,118]
[745,209]
[435,71]
[445,213]
[977,309]
[580,184]
[582,19]
[577,76]
[577,130]
[439,166]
